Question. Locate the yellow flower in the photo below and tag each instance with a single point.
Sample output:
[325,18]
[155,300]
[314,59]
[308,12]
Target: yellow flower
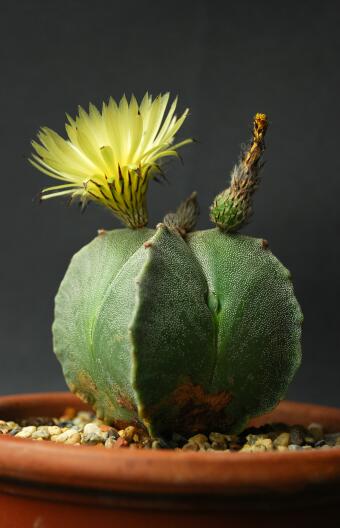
[110,156]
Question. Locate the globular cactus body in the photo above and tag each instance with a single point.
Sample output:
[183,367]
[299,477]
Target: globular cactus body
[177,334]
[171,329]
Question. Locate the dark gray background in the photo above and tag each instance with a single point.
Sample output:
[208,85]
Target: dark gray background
[225,60]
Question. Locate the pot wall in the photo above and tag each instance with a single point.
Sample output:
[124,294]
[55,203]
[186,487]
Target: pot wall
[44,485]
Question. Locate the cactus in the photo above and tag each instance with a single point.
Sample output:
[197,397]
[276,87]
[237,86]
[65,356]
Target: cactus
[175,329]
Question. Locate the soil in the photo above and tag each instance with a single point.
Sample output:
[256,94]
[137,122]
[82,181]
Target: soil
[83,428]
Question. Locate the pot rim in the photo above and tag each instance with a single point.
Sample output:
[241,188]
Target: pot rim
[165,471]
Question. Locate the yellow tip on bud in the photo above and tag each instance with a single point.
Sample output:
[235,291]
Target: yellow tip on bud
[257,145]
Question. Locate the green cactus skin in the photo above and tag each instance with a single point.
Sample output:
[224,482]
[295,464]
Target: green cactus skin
[177,334]
[92,315]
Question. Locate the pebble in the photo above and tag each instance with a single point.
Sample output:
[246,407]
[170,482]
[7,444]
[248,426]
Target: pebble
[92,434]
[294,447]
[91,428]
[4,429]
[26,432]
[217,438]
[37,420]
[252,439]
[316,431]
[297,435]
[74,439]
[14,432]
[83,428]
[320,443]
[12,425]
[190,446]
[112,433]
[165,444]
[261,444]
[65,423]
[64,436]
[282,440]
[217,446]
[121,442]
[54,430]
[107,429]
[110,442]
[331,438]
[156,445]
[93,438]
[41,432]
[128,433]
[201,441]
[198,439]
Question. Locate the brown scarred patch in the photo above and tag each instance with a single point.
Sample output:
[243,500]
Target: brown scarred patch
[84,397]
[105,410]
[85,382]
[189,409]
[104,405]
[126,403]
[197,409]
[123,401]
[122,424]
[84,387]
[107,407]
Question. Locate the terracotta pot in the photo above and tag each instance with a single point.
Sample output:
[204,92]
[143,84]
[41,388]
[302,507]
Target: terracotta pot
[47,485]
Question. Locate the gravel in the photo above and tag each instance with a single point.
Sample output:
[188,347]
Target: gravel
[83,428]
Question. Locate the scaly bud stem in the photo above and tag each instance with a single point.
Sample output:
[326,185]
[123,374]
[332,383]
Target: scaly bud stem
[185,218]
[231,209]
